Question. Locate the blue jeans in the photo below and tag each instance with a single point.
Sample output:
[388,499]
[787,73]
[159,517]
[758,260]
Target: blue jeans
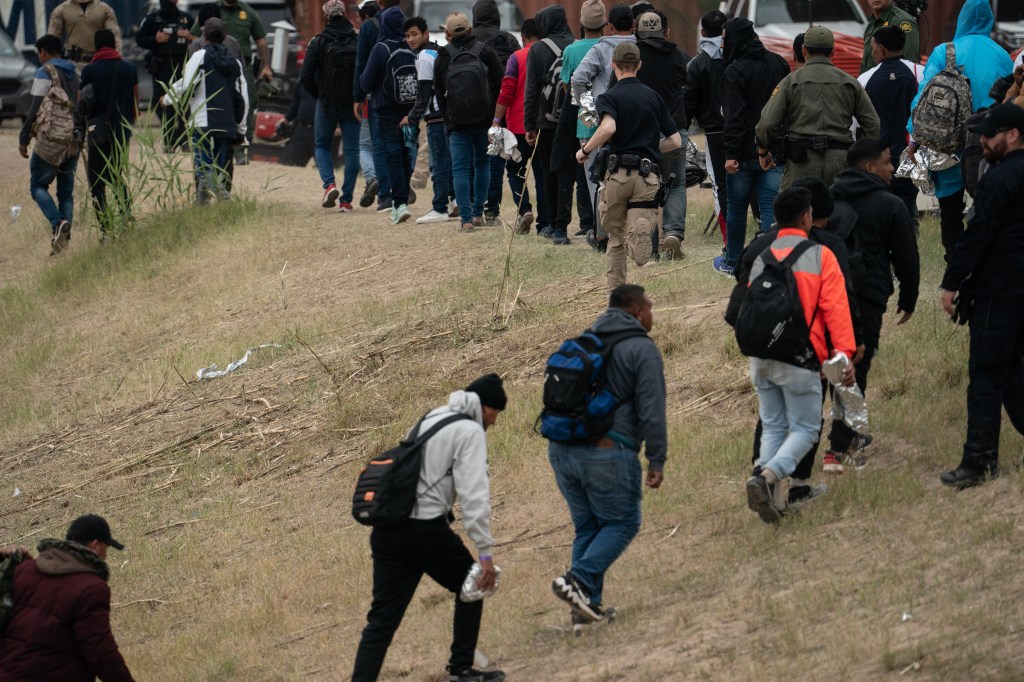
[440,165]
[380,162]
[740,186]
[327,119]
[41,175]
[366,151]
[674,216]
[790,410]
[395,152]
[602,487]
[210,155]
[471,171]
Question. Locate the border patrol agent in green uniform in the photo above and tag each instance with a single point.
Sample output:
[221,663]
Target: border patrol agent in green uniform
[815,106]
[243,23]
[886,13]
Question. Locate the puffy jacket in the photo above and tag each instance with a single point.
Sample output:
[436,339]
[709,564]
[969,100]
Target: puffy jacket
[314,66]
[822,289]
[886,237]
[59,628]
[664,71]
[702,96]
[983,62]
[551,23]
[751,74]
[220,98]
[989,256]
[373,76]
[636,376]
[494,76]
[487,29]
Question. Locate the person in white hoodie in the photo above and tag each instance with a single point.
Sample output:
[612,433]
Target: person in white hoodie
[454,466]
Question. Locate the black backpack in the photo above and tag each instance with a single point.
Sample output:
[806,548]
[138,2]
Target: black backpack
[400,78]
[467,86]
[553,93]
[578,406]
[504,45]
[843,224]
[770,323]
[337,70]
[386,488]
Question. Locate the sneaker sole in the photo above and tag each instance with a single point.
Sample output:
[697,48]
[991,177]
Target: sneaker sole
[383,210]
[331,198]
[836,469]
[402,218]
[759,501]
[526,222]
[421,221]
[566,593]
[674,248]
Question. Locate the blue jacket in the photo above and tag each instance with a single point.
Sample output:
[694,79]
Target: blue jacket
[391,38]
[983,61]
[367,39]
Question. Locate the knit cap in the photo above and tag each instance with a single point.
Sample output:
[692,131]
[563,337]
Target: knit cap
[490,390]
[593,15]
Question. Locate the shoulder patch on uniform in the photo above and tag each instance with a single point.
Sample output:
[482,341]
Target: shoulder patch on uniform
[885,24]
[242,15]
[906,27]
[777,90]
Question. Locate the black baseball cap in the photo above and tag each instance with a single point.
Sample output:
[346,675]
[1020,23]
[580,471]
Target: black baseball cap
[85,529]
[999,118]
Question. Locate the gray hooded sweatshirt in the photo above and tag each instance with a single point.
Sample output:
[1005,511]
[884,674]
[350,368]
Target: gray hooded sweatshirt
[636,376]
[460,447]
[595,71]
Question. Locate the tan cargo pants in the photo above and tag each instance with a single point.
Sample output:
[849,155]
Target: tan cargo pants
[629,229]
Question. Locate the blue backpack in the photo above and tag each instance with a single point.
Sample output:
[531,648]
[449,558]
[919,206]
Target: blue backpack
[578,406]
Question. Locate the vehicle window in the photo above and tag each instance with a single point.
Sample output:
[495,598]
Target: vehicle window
[803,12]
[6,46]
[272,13]
[434,13]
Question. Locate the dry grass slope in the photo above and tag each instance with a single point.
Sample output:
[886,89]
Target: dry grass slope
[232,494]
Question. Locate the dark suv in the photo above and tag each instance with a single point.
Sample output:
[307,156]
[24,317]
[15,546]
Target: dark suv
[16,75]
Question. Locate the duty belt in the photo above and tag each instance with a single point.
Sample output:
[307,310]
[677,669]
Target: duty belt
[75,54]
[630,162]
[797,150]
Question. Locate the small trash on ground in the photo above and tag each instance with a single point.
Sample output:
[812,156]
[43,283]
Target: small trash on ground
[212,372]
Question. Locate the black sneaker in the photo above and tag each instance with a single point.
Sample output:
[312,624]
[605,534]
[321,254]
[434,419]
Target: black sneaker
[568,590]
[800,494]
[473,675]
[963,477]
[385,205]
[547,232]
[369,194]
[581,624]
[582,232]
[760,499]
[490,218]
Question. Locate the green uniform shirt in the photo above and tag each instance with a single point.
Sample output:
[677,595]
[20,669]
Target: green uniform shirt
[242,23]
[892,16]
[817,99]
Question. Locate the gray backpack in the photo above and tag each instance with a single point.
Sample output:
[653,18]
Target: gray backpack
[943,108]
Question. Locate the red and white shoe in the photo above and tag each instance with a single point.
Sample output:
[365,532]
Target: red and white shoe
[330,196]
[830,463]
[345,207]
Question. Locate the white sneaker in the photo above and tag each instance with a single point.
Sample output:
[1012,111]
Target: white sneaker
[433,217]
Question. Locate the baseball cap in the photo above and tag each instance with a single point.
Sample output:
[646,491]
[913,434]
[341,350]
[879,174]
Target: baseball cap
[649,26]
[998,118]
[85,529]
[214,25]
[457,23]
[626,53]
[819,37]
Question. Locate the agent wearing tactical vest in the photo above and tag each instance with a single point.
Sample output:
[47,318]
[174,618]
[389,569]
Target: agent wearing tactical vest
[75,22]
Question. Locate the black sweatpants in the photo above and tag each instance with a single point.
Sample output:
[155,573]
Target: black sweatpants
[104,168]
[951,220]
[547,177]
[871,314]
[906,191]
[300,147]
[401,555]
[996,370]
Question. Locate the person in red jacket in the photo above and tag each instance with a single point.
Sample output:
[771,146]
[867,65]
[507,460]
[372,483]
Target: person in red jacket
[59,626]
[789,394]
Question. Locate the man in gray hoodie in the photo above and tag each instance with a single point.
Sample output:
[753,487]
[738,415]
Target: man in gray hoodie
[602,481]
[454,465]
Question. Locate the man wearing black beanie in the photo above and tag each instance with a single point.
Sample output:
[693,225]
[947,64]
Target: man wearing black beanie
[454,466]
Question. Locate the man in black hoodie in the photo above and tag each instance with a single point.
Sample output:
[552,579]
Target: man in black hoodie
[751,74]
[467,135]
[540,129]
[880,244]
[487,29]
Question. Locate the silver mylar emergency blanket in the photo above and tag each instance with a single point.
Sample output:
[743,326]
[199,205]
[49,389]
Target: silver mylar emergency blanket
[848,402]
[927,160]
[470,591]
[588,110]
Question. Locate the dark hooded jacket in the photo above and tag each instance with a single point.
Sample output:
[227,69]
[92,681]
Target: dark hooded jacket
[487,29]
[885,236]
[314,67]
[225,106]
[551,23]
[702,96]
[636,376]
[391,38]
[368,31]
[59,628]
[751,74]
[664,71]
[494,76]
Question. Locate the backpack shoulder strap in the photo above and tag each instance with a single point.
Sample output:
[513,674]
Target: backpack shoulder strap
[476,49]
[951,56]
[420,439]
[795,254]
[609,340]
[553,46]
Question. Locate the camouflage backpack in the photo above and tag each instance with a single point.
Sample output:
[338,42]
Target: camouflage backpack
[56,129]
[7,585]
[943,108]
